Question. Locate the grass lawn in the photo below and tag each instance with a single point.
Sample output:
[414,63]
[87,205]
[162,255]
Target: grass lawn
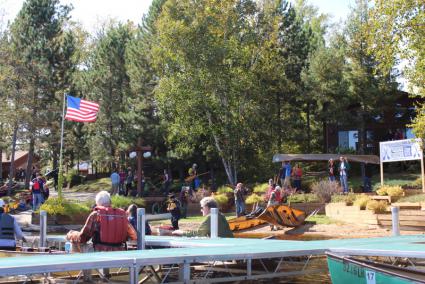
[94,185]
[402,179]
[323,220]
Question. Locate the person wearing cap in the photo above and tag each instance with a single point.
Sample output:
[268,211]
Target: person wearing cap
[204,230]
[173,206]
[9,230]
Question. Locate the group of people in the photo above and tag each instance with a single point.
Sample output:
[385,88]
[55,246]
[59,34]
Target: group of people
[122,182]
[109,228]
[39,190]
[287,173]
[341,169]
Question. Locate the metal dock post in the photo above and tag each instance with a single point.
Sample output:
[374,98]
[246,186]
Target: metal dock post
[214,223]
[395,220]
[141,228]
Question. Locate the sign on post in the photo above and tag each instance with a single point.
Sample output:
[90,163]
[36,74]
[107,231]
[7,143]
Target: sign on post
[401,150]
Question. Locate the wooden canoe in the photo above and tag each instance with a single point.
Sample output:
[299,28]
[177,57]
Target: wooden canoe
[351,270]
[283,216]
[29,252]
[278,215]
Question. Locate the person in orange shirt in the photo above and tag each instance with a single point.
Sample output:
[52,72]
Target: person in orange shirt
[108,227]
[297,173]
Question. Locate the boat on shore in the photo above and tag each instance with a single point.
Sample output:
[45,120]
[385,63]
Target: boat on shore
[350,270]
[28,251]
[277,215]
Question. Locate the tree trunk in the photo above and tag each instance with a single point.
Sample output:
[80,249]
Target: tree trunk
[279,124]
[325,136]
[12,161]
[1,165]
[308,128]
[362,141]
[29,162]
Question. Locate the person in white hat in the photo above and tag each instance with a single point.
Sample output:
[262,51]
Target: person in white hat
[9,230]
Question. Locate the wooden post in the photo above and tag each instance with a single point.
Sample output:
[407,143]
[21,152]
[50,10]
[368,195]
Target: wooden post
[382,173]
[139,150]
[139,167]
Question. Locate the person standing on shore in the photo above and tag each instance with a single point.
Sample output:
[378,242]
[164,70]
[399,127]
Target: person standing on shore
[343,173]
[239,193]
[331,169]
[129,182]
[115,181]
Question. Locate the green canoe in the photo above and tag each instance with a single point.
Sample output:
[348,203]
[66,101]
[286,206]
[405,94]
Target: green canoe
[348,270]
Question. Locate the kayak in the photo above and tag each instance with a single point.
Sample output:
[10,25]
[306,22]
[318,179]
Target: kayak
[349,270]
[278,215]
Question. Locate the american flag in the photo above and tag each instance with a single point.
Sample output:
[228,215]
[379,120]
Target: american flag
[81,110]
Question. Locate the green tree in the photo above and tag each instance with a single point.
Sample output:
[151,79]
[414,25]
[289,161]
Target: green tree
[205,55]
[39,40]
[108,83]
[397,31]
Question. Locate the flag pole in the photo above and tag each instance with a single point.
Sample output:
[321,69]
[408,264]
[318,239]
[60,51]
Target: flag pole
[60,175]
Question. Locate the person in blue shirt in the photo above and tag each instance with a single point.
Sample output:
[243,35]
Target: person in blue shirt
[287,181]
[115,180]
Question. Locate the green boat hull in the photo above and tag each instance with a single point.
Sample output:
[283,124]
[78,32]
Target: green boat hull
[345,271]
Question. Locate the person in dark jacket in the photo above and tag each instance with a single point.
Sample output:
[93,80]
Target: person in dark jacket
[174,208]
[9,230]
[132,218]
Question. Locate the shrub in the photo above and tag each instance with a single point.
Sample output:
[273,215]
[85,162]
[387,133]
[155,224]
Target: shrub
[254,198]
[394,190]
[417,183]
[119,201]
[224,189]
[362,201]
[302,198]
[221,199]
[261,188]
[377,206]
[324,190]
[61,206]
[347,199]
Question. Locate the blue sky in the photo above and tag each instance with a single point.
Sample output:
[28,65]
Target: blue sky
[93,12]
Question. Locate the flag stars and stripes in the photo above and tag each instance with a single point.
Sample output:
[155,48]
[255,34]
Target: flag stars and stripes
[81,110]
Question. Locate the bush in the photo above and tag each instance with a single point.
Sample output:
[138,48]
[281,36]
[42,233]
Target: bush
[224,189]
[254,198]
[393,191]
[221,199]
[377,206]
[347,199]
[302,198]
[324,190]
[261,188]
[61,206]
[362,201]
[119,201]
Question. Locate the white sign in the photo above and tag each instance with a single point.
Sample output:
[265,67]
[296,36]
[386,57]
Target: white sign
[370,277]
[400,150]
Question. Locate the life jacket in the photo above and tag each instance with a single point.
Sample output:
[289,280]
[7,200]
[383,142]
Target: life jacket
[37,186]
[7,230]
[112,226]
[278,195]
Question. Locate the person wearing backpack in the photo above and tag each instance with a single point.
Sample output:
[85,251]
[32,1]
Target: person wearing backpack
[37,189]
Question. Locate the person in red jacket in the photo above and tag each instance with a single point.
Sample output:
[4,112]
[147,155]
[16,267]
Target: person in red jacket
[108,227]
